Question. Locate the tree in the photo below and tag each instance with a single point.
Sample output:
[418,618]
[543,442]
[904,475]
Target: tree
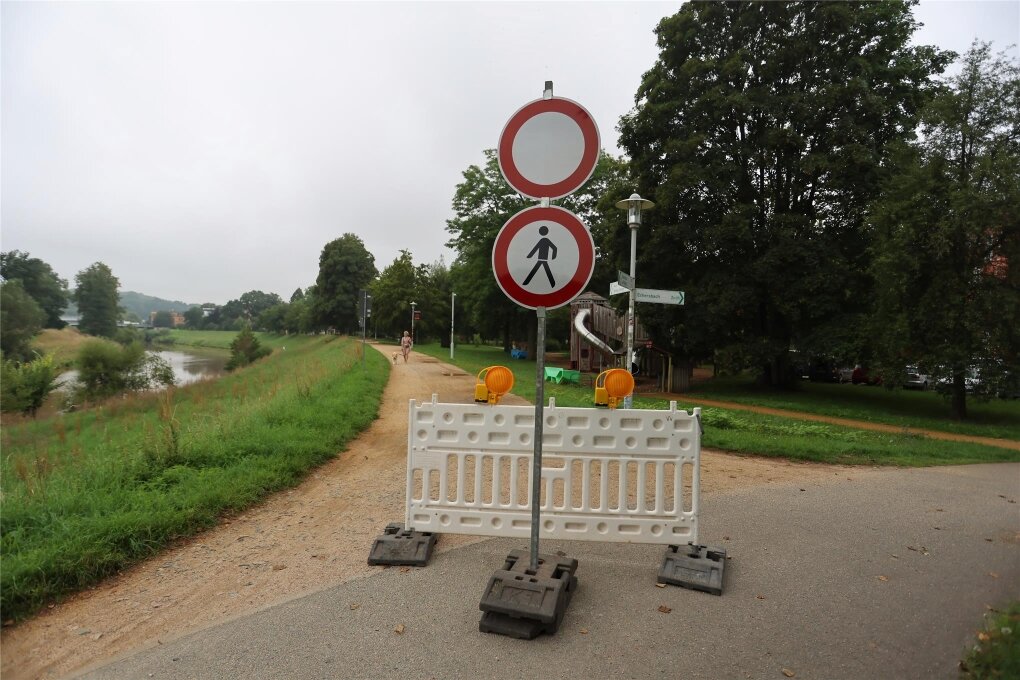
[483,203]
[760,133]
[245,349]
[106,368]
[162,319]
[40,282]
[97,299]
[24,386]
[194,317]
[297,295]
[948,235]
[345,267]
[392,294]
[20,319]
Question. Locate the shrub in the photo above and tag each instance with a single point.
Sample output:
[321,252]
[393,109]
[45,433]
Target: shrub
[245,349]
[104,369]
[24,386]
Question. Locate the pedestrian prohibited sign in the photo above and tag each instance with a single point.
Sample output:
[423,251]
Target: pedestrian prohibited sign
[543,257]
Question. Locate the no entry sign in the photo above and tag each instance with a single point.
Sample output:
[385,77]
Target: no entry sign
[549,148]
[543,257]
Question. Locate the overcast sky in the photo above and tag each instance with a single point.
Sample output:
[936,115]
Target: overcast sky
[205,149]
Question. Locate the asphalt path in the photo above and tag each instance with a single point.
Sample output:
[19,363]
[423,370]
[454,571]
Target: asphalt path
[881,574]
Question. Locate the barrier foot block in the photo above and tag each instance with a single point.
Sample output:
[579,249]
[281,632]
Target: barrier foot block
[696,567]
[523,603]
[400,546]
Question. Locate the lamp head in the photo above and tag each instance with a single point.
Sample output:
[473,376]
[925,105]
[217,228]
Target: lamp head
[634,205]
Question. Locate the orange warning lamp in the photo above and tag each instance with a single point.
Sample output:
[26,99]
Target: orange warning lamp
[498,380]
[493,383]
[613,385]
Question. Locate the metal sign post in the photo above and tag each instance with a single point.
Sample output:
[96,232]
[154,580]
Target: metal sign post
[536,465]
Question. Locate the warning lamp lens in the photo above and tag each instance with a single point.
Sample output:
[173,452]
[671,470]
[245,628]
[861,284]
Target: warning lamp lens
[619,382]
[499,380]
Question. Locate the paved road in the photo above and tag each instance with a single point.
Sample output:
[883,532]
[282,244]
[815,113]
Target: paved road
[803,592]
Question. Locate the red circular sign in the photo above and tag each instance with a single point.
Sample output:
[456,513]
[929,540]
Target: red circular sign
[549,148]
[543,257]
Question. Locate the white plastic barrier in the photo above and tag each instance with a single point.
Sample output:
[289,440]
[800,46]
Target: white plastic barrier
[624,475]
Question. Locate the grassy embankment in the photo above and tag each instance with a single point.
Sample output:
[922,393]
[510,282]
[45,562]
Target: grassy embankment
[750,433]
[87,493]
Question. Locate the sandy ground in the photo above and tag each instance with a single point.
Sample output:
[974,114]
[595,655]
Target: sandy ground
[312,537]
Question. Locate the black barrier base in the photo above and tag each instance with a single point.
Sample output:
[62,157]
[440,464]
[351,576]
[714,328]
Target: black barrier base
[522,603]
[400,546]
[696,567]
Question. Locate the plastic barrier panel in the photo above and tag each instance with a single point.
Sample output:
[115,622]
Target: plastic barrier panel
[627,475]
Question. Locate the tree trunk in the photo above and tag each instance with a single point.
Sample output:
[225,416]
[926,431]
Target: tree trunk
[958,400]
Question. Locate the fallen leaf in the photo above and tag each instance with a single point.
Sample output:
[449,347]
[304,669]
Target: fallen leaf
[760,597]
[937,528]
[660,585]
[279,567]
[584,631]
[355,605]
[983,637]
[802,489]
[990,540]
[664,609]
[993,574]
[895,556]
[399,630]
[725,538]
[788,673]
[404,570]
[883,578]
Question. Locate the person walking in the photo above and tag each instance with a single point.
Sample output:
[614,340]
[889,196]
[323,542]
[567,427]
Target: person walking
[405,345]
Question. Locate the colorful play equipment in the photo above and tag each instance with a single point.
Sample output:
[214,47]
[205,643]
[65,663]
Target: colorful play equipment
[613,385]
[493,383]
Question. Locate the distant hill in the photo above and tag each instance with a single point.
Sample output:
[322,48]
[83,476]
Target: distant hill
[141,305]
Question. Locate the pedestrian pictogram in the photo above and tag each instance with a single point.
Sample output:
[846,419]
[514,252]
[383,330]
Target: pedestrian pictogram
[546,250]
[543,257]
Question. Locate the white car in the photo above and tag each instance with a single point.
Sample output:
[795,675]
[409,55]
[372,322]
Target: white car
[915,379]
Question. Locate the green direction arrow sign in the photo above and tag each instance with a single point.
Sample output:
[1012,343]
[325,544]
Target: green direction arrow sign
[662,297]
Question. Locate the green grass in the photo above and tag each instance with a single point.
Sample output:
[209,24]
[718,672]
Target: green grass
[749,433]
[87,493]
[903,408]
[997,653]
[222,339]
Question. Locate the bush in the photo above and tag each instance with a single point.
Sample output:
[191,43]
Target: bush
[105,369]
[245,349]
[24,386]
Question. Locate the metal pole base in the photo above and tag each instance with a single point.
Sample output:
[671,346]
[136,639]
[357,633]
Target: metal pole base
[524,603]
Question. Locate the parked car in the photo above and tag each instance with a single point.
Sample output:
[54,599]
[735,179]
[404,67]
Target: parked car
[915,379]
[861,376]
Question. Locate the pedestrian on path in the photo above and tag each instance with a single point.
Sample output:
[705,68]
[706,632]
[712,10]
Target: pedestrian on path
[405,345]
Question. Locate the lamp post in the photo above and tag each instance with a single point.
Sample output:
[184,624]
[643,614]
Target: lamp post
[413,305]
[453,301]
[633,205]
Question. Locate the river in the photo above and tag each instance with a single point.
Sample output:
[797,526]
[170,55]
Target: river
[189,367]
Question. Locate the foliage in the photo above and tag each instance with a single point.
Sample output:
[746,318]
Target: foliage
[142,305]
[105,369]
[345,267]
[245,349]
[194,317]
[392,294]
[997,653]
[245,310]
[20,319]
[760,133]
[86,494]
[948,235]
[97,300]
[162,319]
[483,203]
[39,281]
[24,386]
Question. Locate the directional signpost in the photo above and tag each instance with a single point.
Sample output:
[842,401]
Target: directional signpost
[663,297]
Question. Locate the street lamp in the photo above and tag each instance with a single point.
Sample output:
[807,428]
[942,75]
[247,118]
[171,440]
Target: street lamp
[633,205]
[453,301]
[413,305]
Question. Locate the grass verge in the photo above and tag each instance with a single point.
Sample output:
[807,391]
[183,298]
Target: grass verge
[87,493]
[750,433]
[997,653]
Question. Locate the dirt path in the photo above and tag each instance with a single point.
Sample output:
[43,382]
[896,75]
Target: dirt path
[860,424]
[312,537]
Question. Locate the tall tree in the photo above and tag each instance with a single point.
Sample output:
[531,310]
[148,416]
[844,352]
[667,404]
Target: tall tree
[760,132]
[345,267]
[392,294]
[98,303]
[20,319]
[40,282]
[947,253]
